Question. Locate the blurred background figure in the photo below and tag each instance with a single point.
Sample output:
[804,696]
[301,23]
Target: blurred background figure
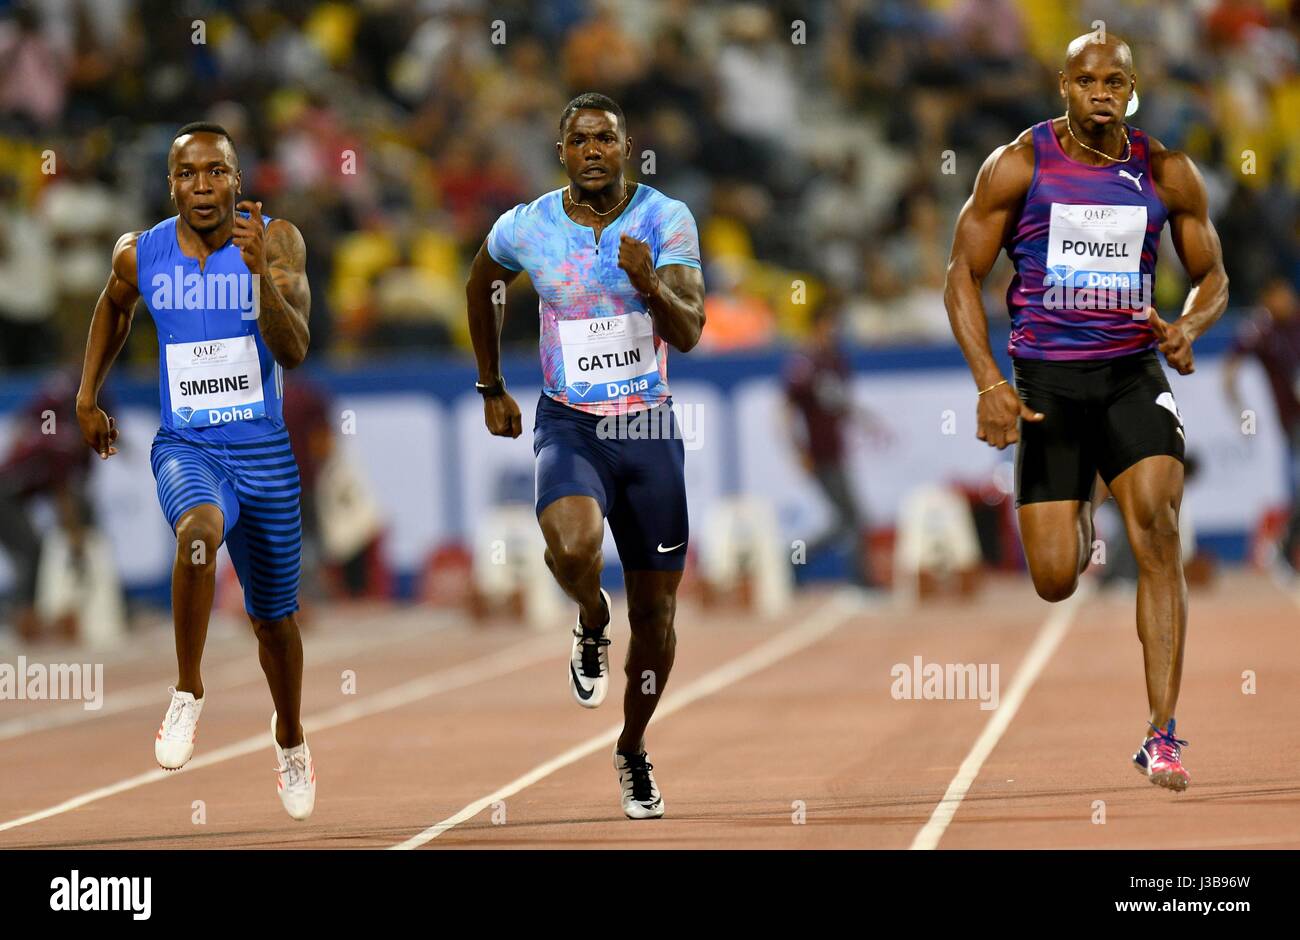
[64,580]
[311,437]
[342,529]
[822,414]
[1272,338]
[27,282]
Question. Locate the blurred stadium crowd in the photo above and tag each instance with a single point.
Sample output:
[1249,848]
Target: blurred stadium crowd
[393,132]
[825,148]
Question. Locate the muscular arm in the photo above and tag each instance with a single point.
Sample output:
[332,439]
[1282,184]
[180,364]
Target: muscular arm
[677,307]
[486,277]
[485,287]
[1183,190]
[109,326]
[284,295]
[111,322]
[982,228]
[674,293]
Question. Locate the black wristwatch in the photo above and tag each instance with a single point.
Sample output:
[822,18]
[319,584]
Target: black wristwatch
[494,390]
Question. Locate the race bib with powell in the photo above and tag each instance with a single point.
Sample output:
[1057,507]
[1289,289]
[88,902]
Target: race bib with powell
[1096,246]
[215,381]
[607,358]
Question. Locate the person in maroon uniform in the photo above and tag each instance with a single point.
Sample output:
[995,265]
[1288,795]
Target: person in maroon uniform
[47,458]
[820,395]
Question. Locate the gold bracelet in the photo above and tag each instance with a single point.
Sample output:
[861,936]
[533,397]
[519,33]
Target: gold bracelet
[993,386]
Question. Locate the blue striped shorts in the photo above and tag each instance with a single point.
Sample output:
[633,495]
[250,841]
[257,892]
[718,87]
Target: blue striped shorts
[255,483]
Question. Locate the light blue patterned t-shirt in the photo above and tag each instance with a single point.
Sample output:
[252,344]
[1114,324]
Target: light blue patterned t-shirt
[600,351]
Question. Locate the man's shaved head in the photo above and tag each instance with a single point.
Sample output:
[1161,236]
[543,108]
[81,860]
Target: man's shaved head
[1098,84]
[1089,42]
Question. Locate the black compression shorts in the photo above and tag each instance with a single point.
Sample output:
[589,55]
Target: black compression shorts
[1100,416]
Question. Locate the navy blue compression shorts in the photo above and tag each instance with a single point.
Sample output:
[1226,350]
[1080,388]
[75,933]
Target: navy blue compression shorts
[634,466]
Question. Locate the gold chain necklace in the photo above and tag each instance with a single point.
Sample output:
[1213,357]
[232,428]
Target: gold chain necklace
[570,203]
[1128,145]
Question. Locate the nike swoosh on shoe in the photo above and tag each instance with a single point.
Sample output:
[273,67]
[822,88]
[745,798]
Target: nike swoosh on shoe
[583,693]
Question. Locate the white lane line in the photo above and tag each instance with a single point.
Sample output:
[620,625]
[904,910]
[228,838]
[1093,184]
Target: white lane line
[227,644]
[145,639]
[497,664]
[1049,637]
[822,621]
[227,675]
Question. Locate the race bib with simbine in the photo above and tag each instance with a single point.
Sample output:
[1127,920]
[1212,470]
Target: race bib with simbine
[215,381]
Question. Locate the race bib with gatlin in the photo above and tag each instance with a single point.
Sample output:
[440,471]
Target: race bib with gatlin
[609,357]
[215,381]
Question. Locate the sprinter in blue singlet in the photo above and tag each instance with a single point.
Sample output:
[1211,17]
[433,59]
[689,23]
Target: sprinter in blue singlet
[227,290]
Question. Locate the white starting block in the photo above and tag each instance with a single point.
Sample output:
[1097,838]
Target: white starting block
[509,563]
[936,539]
[743,545]
[349,514]
[91,591]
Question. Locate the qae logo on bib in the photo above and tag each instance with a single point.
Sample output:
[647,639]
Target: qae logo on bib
[606,327]
[210,351]
[1096,246]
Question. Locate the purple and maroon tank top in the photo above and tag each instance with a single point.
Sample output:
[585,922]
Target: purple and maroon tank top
[1084,251]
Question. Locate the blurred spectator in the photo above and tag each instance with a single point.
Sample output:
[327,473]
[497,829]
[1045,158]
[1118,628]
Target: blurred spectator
[759,94]
[82,215]
[600,54]
[341,530]
[311,438]
[33,69]
[915,253]
[47,458]
[1230,21]
[393,132]
[819,393]
[1272,337]
[27,282]
[737,318]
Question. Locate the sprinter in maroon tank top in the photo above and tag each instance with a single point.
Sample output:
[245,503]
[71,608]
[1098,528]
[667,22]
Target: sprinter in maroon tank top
[1078,203]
